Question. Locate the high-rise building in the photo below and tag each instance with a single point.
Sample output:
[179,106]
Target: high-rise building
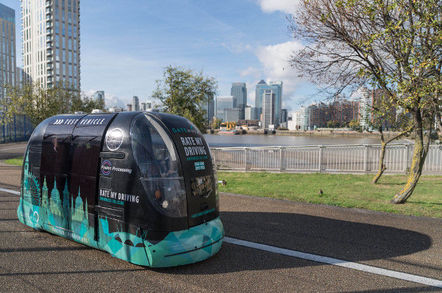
[250,113]
[343,111]
[146,106]
[232,114]
[222,103]
[260,87]
[136,103]
[299,120]
[209,108]
[365,104]
[21,77]
[51,42]
[99,96]
[7,49]
[268,109]
[276,88]
[284,116]
[239,92]
[318,115]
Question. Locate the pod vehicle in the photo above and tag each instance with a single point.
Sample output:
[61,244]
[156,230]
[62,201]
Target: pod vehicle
[141,186]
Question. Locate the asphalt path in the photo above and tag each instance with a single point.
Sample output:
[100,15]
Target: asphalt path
[32,261]
[12,150]
[39,261]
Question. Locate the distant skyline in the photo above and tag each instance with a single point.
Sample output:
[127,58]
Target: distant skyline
[126,45]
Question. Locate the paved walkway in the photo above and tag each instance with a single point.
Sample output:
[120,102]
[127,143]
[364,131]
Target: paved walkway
[10,175]
[12,150]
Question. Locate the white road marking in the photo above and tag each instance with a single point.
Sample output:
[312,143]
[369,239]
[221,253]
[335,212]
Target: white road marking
[8,149]
[337,262]
[321,259]
[10,191]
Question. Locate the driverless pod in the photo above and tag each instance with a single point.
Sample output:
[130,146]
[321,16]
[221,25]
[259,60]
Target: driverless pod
[140,186]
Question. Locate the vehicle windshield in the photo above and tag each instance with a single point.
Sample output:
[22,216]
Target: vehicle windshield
[153,150]
[155,155]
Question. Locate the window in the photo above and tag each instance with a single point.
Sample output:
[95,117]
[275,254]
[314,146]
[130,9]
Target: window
[157,161]
[153,152]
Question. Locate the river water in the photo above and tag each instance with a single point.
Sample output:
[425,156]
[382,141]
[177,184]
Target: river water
[276,140]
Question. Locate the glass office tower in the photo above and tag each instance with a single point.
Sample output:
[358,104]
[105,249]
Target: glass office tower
[239,92]
[7,49]
[276,88]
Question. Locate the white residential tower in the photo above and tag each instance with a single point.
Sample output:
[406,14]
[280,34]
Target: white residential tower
[51,42]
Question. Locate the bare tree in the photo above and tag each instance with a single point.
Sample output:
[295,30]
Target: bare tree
[389,44]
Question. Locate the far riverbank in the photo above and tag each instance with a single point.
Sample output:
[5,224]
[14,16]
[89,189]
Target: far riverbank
[295,138]
[321,132]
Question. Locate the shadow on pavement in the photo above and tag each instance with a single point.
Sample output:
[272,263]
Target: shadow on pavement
[345,240]
[324,236]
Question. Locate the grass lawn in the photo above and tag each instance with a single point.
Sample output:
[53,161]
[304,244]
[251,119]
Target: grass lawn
[15,161]
[344,190]
[353,191]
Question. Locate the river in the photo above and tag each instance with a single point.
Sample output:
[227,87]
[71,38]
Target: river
[276,140]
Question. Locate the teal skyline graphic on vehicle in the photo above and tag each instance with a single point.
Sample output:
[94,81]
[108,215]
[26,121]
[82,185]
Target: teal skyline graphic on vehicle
[61,215]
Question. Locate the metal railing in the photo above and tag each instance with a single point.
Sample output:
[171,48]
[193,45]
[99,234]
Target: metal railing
[20,129]
[325,158]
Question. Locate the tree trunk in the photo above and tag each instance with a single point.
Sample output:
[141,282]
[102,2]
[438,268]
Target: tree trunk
[417,163]
[438,124]
[384,144]
[382,166]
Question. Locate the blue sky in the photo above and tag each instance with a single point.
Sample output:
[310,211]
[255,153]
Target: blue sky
[125,45]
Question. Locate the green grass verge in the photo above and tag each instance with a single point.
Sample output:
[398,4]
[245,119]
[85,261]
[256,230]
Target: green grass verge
[15,161]
[344,190]
[352,191]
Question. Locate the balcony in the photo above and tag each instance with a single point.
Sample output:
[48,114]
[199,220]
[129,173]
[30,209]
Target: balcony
[48,24]
[48,52]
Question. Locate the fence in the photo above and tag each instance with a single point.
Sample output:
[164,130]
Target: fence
[325,158]
[19,129]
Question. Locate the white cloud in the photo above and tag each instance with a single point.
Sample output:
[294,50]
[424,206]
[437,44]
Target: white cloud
[275,60]
[275,66]
[251,71]
[286,6]
[111,101]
